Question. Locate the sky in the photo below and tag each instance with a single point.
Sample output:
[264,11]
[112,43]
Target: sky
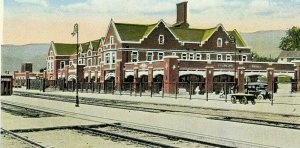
[43,21]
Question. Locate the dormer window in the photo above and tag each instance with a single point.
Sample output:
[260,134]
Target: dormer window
[111,40]
[219,42]
[161,39]
[89,53]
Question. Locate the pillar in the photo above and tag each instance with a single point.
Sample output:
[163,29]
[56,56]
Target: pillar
[241,75]
[171,74]
[209,79]
[136,79]
[150,77]
[102,77]
[119,75]
[89,75]
[270,78]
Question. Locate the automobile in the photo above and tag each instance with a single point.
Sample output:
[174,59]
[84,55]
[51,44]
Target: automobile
[259,89]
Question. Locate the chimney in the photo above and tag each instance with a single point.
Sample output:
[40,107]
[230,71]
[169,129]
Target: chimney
[181,15]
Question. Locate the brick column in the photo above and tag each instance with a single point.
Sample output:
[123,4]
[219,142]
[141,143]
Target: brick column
[96,75]
[270,78]
[241,75]
[209,79]
[102,77]
[150,77]
[119,75]
[171,74]
[136,79]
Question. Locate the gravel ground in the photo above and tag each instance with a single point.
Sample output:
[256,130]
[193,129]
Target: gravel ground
[8,141]
[73,138]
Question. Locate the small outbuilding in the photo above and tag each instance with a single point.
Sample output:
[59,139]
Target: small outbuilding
[6,85]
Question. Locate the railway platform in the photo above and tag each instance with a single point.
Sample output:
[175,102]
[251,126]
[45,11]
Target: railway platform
[284,102]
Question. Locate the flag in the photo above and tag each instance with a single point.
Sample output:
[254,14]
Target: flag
[75,31]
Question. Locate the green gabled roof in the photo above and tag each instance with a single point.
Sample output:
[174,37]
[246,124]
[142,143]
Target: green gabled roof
[65,49]
[208,33]
[191,35]
[95,44]
[85,46]
[240,42]
[133,32]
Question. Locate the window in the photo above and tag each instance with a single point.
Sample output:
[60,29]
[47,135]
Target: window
[207,56]
[184,56]
[70,63]
[191,56]
[149,56]
[219,57]
[62,64]
[244,58]
[228,58]
[161,39]
[219,42]
[107,58]
[89,53]
[174,54]
[134,56]
[89,62]
[198,56]
[160,56]
[113,56]
[111,40]
[51,53]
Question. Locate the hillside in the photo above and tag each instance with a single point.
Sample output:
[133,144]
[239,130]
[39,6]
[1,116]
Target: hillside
[265,43]
[12,56]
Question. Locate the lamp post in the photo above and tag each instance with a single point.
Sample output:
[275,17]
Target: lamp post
[232,40]
[75,32]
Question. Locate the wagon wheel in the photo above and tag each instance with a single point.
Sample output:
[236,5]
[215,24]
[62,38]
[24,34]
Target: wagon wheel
[253,101]
[233,99]
[240,100]
[245,100]
[260,97]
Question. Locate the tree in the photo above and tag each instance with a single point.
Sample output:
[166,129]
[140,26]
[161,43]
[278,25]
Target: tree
[292,41]
[258,58]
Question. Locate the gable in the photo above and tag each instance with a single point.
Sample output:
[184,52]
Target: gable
[65,49]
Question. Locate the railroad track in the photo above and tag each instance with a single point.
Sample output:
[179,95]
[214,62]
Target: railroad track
[162,137]
[218,114]
[24,139]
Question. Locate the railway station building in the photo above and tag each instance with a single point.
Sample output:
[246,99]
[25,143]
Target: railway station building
[167,54]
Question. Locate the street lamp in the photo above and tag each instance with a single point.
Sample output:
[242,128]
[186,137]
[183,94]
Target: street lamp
[232,40]
[75,32]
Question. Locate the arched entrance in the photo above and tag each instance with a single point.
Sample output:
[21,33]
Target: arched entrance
[196,82]
[144,82]
[158,83]
[220,85]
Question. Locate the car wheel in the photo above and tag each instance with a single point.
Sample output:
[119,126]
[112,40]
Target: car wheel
[260,97]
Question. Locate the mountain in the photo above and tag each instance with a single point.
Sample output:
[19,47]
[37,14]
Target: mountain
[12,56]
[265,43]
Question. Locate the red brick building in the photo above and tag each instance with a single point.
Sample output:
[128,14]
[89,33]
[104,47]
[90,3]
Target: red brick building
[164,53]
